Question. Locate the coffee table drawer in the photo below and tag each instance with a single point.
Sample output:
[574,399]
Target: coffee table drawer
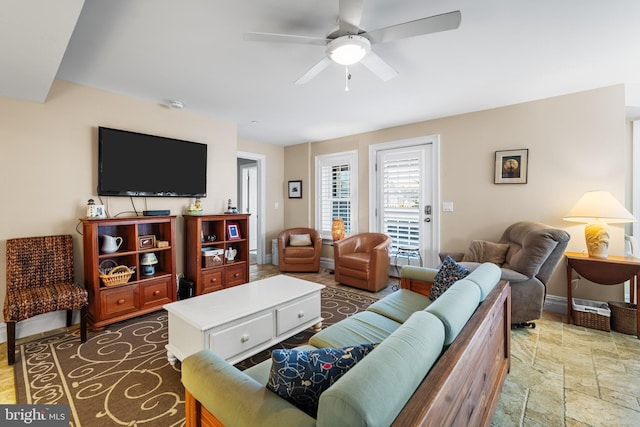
[298,313]
[242,337]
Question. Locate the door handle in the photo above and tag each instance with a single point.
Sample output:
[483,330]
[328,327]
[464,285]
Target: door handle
[427,220]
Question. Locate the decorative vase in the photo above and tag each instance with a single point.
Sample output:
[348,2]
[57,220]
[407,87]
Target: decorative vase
[337,229]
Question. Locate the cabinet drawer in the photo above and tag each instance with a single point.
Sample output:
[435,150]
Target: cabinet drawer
[297,313]
[157,292]
[119,301]
[211,281]
[242,337]
[234,276]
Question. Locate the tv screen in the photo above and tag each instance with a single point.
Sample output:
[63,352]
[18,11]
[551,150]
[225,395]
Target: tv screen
[136,164]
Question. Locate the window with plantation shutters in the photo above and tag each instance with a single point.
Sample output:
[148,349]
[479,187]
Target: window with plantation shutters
[336,190]
[401,190]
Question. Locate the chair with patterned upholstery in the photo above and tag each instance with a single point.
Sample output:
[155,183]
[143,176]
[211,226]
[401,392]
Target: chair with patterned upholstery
[40,280]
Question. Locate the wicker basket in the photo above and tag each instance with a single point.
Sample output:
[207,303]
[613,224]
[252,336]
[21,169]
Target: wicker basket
[623,317]
[117,275]
[587,313]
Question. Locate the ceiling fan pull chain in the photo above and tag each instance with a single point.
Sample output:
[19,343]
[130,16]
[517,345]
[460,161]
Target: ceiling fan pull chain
[347,77]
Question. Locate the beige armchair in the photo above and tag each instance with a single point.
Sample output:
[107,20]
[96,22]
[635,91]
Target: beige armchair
[362,261]
[299,250]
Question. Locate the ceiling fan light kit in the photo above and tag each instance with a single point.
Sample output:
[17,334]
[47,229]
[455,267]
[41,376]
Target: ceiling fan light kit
[348,50]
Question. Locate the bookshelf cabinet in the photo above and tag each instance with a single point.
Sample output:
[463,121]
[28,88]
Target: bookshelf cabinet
[141,294]
[211,232]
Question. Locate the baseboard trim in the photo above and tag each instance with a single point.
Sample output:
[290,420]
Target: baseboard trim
[327,263]
[40,324]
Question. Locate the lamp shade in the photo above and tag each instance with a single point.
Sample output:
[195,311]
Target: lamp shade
[597,209]
[599,206]
[149,259]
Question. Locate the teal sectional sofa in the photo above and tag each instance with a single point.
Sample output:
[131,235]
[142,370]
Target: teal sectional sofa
[437,363]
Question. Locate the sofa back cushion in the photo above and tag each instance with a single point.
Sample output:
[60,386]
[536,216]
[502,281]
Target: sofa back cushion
[374,391]
[455,307]
[486,276]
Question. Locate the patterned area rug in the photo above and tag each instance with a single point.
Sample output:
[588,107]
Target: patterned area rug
[121,376]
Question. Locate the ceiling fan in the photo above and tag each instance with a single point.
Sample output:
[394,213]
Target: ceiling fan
[349,43]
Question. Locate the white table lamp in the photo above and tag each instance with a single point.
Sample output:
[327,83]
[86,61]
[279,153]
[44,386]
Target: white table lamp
[597,209]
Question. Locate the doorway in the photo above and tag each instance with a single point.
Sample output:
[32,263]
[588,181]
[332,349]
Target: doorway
[250,170]
[404,193]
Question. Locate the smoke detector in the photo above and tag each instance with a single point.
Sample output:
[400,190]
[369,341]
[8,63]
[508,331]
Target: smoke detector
[176,104]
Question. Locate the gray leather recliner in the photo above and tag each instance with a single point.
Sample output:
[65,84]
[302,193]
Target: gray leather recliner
[535,249]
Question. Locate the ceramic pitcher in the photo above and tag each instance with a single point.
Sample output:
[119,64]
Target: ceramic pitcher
[111,244]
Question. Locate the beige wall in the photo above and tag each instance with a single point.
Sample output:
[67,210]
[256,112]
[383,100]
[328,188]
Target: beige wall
[49,160]
[297,212]
[576,143]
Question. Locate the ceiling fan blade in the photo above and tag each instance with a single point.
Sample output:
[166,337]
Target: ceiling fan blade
[314,71]
[350,15]
[378,67]
[432,24]
[284,38]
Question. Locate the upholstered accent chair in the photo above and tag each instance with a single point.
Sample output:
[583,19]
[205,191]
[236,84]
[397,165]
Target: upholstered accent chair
[299,250]
[527,253]
[362,261]
[40,280]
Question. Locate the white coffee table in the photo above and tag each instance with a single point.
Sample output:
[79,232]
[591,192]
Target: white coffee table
[241,321]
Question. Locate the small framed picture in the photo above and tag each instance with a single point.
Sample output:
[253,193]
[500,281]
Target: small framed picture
[295,189]
[233,231]
[146,242]
[511,166]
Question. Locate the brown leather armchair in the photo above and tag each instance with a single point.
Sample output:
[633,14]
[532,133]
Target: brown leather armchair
[305,258]
[362,261]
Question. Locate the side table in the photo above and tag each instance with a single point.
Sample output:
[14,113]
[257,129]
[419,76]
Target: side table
[610,271]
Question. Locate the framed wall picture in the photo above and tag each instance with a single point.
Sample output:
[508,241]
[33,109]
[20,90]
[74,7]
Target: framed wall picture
[146,242]
[511,166]
[295,189]
[233,231]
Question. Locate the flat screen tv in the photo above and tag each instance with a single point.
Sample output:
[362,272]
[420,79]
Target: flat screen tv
[136,164]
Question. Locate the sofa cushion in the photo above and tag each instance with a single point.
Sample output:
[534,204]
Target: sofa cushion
[231,389]
[483,251]
[447,275]
[486,276]
[362,327]
[374,392]
[400,305]
[455,307]
[301,376]
[300,240]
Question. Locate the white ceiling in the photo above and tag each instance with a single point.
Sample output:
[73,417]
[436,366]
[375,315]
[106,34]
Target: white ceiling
[504,52]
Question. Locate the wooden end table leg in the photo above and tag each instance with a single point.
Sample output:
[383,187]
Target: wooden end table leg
[569,312]
[634,284]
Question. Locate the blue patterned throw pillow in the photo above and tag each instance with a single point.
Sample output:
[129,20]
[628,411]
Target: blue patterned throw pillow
[448,274]
[301,376]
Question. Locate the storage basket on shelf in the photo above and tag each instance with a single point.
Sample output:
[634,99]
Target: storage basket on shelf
[623,317]
[115,274]
[591,314]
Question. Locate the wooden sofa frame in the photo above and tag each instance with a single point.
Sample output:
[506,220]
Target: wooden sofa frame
[462,388]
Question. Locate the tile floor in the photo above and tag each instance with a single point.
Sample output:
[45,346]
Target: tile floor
[561,375]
